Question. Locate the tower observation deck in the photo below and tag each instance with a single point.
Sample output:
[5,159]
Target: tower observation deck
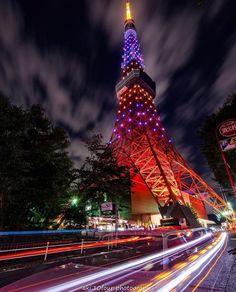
[162,180]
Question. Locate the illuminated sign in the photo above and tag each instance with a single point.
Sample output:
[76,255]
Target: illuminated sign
[106,207]
[228,144]
[227,135]
[228,128]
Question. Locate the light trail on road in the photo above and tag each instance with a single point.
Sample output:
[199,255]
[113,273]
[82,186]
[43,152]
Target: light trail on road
[37,251]
[208,272]
[76,284]
[194,266]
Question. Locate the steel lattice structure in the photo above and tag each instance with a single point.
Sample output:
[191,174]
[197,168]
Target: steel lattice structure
[140,140]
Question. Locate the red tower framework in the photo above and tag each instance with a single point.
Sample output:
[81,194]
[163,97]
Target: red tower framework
[161,177]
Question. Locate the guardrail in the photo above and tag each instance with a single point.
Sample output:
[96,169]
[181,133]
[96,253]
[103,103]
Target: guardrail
[109,242]
[98,236]
[156,232]
[11,254]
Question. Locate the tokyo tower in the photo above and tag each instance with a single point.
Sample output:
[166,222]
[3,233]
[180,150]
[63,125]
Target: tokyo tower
[162,180]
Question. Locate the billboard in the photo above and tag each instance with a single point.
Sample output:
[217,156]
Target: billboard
[107,207]
[227,135]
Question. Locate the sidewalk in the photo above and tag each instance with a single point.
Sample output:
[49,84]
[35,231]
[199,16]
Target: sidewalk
[223,275]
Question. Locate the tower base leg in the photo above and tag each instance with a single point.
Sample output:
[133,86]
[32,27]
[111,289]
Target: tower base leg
[179,211]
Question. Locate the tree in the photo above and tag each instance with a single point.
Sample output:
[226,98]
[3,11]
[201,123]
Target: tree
[210,146]
[218,219]
[75,214]
[102,179]
[35,170]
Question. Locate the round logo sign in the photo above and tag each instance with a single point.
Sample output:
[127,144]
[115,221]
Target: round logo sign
[228,128]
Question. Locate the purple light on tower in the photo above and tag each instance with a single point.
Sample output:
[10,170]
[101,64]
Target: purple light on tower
[131,49]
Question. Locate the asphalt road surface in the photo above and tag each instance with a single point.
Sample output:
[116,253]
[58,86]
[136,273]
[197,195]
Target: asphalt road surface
[175,268]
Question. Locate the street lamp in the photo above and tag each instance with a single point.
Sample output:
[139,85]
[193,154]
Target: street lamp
[74,201]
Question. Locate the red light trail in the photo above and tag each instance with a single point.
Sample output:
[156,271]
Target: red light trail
[69,248]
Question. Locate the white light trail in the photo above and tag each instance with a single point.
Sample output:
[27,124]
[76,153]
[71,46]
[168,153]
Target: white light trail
[194,266]
[103,275]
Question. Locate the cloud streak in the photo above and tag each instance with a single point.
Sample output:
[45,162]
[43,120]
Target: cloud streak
[173,41]
[30,76]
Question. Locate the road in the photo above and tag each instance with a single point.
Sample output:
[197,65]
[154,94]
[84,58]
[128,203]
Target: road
[182,265]
[222,277]
[55,249]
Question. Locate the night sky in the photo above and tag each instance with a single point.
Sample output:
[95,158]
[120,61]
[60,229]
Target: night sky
[66,56]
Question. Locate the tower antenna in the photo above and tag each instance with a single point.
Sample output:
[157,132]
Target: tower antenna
[128,11]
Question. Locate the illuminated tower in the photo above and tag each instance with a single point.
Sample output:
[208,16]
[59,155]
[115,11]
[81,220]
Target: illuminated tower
[161,177]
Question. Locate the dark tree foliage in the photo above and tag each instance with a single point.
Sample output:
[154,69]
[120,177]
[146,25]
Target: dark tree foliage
[218,220]
[76,216]
[210,146]
[101,179]
[35,170]
[73,214]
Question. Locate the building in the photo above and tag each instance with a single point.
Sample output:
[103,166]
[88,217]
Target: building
[164,185]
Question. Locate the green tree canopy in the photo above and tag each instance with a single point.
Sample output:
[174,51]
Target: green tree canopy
[102,179]
[210,146]
[35,170]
